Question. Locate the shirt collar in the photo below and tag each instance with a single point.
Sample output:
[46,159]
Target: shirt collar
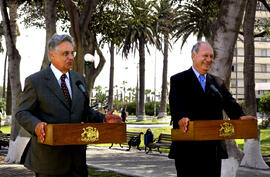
[57,73]
[197,73]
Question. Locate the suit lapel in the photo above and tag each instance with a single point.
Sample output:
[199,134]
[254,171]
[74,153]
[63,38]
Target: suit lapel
[75,89]
[53,85]
[209,81]
[195,82]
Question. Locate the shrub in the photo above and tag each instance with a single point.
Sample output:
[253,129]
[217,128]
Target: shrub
[3,103]
[131,108]
[264,106]
[149,108]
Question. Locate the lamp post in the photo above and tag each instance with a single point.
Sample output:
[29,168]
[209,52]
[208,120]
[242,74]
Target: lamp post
[88,60]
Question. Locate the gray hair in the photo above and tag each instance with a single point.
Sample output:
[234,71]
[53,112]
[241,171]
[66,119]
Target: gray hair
[196,47]
[57,39]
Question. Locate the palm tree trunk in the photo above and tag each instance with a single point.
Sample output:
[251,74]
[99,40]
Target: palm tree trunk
[141,112]
[252,157]
[50,18]
[110,99]
[163,103]
[8,96]
[249,62]
[224,39]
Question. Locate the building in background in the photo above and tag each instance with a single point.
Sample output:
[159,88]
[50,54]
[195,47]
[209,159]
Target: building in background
[262,63]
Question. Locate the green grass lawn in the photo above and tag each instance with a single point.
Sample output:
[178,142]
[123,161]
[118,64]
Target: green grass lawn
[5,129]
[264,139]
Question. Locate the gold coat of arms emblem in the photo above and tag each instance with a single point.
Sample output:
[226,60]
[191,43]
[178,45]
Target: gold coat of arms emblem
[90,134]
[226,129]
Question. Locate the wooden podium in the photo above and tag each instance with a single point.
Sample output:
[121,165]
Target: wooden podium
[217,130]
[86,133]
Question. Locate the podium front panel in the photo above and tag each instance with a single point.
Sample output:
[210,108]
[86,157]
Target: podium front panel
[86,133]
[217,130]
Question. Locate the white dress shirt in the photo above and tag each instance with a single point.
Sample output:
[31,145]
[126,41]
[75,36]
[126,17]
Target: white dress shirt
[198,74]
[58,75]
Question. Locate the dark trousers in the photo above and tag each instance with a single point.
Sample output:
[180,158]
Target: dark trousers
[183,170]
[70,174]
[202,161]
[78,167]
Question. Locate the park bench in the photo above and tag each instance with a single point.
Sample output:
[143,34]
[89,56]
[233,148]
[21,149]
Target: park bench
[133,139]
[163,141]
[4,139]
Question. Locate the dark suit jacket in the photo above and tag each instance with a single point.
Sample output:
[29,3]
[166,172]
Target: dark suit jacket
[43,101]
[187,99]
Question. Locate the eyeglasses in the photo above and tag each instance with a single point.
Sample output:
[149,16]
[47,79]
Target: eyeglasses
[67,53]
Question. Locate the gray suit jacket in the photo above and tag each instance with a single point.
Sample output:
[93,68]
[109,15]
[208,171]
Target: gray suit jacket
[43,101]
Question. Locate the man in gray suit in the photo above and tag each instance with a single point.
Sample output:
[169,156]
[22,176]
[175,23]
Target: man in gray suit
[52,96]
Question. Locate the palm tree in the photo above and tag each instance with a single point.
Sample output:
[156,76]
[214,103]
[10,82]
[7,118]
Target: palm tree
[197,18]
[140,32]
[109,21]
[252,157]
[131,92]
[124,90]
[166,14]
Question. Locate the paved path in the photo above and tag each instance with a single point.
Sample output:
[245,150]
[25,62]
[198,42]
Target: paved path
[12,170]
[138,164]
[132,163]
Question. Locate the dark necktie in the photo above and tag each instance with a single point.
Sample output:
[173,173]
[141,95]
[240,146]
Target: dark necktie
[65,89]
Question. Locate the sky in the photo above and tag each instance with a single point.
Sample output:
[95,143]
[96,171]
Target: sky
[31,46]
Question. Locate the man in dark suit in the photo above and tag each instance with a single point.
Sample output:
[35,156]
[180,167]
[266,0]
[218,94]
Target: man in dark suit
[52,96]
[197,95]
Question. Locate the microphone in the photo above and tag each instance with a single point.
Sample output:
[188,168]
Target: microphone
[83,90]
[81,87]
[215,90]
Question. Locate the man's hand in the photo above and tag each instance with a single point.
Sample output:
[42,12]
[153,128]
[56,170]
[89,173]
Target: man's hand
[247,118]
[183,124]
[40,131]
[112,118]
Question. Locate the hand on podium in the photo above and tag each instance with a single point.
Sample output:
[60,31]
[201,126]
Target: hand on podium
[41,131]
[112,118]
[183,124]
